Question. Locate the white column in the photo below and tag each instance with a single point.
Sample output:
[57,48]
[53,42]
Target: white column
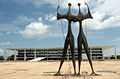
[103,55]
[47,55]
[5,57]
[67,55]
[15,57]
[115,53]
[24,55]
[35,53]
[90,53]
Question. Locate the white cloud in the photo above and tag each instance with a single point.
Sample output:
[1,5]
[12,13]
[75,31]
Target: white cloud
[12,28]
[105,14]
[39,30]
[22,20]
[11,32]
[54,3]
[53,18]
[99,23]
[5,44]
[64,3]
[109,7]
[40,19]
[111,51]
[34,29]
[1,52]
[50,17]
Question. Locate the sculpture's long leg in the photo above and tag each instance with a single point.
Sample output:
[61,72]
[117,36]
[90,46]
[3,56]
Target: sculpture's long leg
[87,53]
[79,53]
[64,55]
[73,54]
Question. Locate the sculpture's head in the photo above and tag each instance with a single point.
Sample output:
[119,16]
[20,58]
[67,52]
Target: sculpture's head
[69,4]
[79,4]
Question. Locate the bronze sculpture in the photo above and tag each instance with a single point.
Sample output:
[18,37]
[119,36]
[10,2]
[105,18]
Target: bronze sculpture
[80,40]
[69,38]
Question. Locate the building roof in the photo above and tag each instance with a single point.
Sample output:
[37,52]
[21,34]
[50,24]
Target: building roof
[103,47]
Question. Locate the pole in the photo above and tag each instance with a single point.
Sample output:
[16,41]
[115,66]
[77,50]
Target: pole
[5,57]
[15,56]
[115,53]
[34,53]
[24,55]
[67,55]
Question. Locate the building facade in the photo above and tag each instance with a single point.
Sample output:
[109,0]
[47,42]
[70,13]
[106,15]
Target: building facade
[96,53]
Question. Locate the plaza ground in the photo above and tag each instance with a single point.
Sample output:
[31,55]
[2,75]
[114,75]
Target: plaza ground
[46,70]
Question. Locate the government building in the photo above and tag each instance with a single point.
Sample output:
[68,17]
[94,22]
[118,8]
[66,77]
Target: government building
[24,54]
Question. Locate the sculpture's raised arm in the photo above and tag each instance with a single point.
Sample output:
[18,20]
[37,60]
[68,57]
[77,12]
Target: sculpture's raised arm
[88,15]
[60,16]
[67,16]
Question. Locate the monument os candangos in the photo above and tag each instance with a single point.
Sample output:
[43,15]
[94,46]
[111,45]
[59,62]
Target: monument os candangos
[81,39]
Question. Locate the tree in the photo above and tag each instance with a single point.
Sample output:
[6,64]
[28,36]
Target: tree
[118,56]
[11,57]
[112,57]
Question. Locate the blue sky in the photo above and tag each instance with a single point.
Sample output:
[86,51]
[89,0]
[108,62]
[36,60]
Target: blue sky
[33,24]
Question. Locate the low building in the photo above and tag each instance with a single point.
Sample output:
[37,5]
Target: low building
[96,53]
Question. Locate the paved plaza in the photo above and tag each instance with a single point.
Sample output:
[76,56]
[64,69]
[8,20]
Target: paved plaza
[46,70]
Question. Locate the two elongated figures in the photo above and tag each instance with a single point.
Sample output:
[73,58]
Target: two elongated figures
[81,40]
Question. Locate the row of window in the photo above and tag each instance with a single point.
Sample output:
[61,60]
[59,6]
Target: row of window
[37,50]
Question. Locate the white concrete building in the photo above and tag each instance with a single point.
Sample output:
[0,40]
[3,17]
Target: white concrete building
[96,53]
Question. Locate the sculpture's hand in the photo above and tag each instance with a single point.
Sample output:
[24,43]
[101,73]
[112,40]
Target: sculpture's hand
[88,15]
[85,3]
[58,7]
